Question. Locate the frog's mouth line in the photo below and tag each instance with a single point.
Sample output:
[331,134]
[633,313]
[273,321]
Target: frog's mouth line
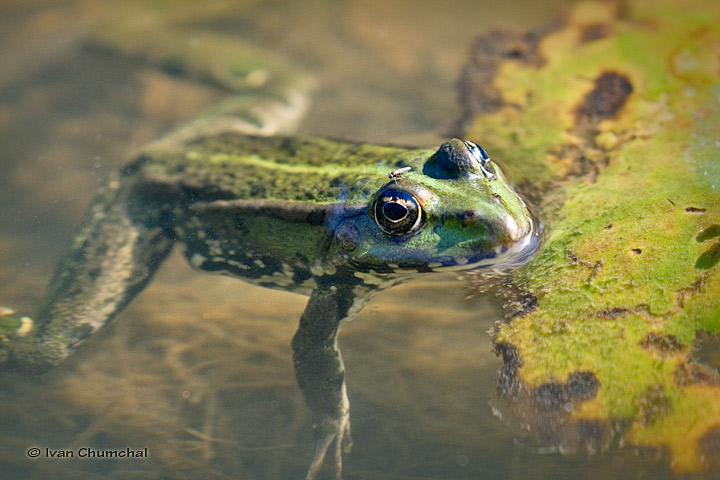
[514,256]
[519,253]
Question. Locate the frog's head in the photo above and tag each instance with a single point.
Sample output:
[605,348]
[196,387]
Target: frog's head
[458,212]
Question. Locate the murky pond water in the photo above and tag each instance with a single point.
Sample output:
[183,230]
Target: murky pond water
[198,370]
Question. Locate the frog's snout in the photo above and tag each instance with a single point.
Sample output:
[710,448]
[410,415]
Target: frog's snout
[506,227]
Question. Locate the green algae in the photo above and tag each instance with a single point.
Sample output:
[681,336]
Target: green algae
[628,273]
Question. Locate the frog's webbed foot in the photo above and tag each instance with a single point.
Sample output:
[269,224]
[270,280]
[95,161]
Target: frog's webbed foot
[13,330]
[13,324]
[321,374]
[114,255]
[331,435]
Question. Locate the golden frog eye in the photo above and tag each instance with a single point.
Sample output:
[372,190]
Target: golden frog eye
[397,212]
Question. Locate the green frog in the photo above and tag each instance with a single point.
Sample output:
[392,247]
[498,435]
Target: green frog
[337,221]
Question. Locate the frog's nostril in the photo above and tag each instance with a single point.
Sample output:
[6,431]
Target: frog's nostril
[468,218]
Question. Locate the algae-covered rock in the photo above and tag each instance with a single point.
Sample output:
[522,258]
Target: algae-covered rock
[611,123]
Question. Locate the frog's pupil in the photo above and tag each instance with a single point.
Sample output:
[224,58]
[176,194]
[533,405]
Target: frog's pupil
[395,211]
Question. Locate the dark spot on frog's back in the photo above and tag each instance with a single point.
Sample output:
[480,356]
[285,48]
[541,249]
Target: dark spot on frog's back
[299,212]
[606,99]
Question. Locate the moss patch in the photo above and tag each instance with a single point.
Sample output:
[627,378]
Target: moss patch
[616,135]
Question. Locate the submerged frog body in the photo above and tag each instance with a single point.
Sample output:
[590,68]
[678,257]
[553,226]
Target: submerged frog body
[337,221]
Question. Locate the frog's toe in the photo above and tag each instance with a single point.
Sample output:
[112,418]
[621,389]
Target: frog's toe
[346,443]
[14,325]
[330,432]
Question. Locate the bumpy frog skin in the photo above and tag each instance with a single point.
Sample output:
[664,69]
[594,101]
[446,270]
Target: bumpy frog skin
[337,221]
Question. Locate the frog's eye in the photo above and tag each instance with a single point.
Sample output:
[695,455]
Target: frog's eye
[397,212]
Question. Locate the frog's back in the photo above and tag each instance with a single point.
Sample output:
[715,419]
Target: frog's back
[258,207]
[279,169]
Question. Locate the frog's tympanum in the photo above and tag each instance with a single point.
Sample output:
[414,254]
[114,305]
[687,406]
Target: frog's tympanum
[337,221]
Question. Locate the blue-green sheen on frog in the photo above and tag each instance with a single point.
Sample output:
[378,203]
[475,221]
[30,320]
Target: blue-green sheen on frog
[334,220]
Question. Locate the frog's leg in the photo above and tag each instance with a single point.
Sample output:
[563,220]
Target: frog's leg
[111,259]
[320,371]
[266,94]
